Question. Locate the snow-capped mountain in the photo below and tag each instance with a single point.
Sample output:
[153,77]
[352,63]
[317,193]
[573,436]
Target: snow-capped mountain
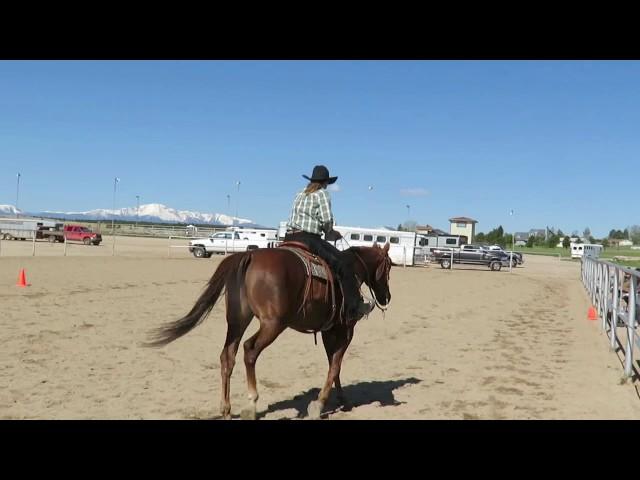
[152,212]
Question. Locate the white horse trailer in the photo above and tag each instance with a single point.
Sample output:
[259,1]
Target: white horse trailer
[580,250]
[430,242]
[256,233]
[23,228]
[402,245]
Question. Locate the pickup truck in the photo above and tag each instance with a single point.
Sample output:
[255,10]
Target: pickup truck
[472,255]
[517,256]
[78,233]
[226,242]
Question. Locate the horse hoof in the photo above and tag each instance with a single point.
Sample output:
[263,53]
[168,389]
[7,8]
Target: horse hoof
[346,405]
[314,410]
[248,413]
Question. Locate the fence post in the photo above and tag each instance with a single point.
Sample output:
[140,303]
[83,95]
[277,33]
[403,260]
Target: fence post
[65,246]
[631,324]
[614,316]
[404,257]
[607,290]
[169,247]
[33,252]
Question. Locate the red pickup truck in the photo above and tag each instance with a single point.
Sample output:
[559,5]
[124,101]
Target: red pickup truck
[82,234]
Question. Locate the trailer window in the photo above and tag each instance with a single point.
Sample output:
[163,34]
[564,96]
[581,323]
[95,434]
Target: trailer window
[397,240]
[368,238]
[381,239]
[451,241]
[355,236]
[422,242]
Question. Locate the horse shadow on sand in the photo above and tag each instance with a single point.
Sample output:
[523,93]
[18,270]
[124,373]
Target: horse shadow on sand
[358,394]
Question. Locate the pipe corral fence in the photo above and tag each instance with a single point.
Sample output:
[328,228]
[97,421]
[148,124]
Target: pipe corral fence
[614,294]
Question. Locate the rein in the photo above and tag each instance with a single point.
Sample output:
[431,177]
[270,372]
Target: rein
[368,282]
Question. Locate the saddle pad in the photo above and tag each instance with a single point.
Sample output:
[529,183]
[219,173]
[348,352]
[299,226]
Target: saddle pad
[316,270]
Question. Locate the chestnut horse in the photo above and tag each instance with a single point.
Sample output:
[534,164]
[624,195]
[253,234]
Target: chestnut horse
[270,284]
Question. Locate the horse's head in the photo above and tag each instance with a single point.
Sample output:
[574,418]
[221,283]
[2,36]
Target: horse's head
[378,265]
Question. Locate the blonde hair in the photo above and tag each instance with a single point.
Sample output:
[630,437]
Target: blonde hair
[313,187]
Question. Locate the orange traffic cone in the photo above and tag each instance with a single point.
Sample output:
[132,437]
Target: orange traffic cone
[593,315]
[22,279]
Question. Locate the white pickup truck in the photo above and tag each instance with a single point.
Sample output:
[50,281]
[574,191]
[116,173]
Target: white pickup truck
[226,242]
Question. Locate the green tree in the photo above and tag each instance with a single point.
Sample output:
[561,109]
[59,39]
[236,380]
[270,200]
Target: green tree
[400,227]
[553,240]
[586,233]
[635,234]
[605,242]
[480,237]
[531,241]
[566,242]
[508,240]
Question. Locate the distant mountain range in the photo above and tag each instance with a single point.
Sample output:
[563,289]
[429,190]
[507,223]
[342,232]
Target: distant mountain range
[151,212]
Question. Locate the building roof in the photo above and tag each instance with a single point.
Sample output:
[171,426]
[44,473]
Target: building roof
[463,219]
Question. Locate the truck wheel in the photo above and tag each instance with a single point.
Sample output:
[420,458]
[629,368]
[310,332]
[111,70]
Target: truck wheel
[251,247]
[86,241]
[445,263]
[514,264]
[199,252]
[495,266]
[51,239]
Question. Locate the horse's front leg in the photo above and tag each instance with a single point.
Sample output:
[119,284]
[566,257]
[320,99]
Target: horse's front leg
[336,340]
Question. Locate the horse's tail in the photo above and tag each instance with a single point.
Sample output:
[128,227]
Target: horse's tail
[236,263]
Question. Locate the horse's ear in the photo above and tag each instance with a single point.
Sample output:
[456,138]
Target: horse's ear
[386,247]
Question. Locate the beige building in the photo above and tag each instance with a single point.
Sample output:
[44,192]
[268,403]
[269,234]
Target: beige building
[463,226]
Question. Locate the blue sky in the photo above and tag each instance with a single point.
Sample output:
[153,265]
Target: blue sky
[555,141]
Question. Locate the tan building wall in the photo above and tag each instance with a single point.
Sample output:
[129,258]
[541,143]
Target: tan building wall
[464,228]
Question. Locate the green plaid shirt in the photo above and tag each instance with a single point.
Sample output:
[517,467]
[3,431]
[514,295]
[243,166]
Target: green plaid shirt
[311,212]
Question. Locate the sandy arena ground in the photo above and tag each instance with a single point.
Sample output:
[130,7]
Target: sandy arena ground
[461,344]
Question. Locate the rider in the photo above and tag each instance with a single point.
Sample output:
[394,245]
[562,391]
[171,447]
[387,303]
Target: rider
[310,216]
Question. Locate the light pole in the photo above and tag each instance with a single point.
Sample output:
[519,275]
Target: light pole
[228,204]
[113,218]
[17,193]
[233,241]
[237,200]
[137,210]
[513,243]
[408,212]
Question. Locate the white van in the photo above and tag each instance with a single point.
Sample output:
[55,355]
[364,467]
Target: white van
[579,250]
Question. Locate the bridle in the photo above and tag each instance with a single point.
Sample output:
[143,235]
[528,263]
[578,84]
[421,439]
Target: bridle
[387,269]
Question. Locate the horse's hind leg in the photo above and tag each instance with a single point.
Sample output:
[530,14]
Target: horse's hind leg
[239,317]
[268,332]
[235,330]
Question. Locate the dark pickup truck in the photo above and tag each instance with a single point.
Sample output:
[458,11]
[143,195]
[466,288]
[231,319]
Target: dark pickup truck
[472,255]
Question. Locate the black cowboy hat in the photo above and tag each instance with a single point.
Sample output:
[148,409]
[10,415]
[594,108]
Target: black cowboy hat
[321,174]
